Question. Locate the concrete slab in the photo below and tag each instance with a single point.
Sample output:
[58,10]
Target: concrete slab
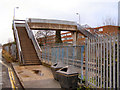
[35,76]
[36,20]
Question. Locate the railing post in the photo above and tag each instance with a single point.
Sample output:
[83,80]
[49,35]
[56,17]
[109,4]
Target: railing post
[62,54]
[48,53]
[86,61]
[45,54]
[98,60]
[101,63]
[114,62]
[118,58]
[52,55]
[96,43]
[73,56]
[82,50]
[67,55]
[106,62]
[59,53]
[56,55]
[110,53]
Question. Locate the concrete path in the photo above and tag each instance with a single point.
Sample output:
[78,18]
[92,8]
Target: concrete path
[35,76]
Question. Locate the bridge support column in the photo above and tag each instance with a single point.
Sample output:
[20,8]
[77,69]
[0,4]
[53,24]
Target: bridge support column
[75,37]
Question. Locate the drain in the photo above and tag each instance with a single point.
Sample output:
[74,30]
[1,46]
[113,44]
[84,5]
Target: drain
[38,72]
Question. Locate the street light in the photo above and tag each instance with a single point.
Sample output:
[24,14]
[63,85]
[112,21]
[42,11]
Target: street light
[79,17]
[14,12]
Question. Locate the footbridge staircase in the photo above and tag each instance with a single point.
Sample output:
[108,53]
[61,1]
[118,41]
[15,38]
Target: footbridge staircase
[27,46]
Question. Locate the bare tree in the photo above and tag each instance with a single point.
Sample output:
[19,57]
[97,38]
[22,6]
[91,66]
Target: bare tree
[44,34]
[109,21]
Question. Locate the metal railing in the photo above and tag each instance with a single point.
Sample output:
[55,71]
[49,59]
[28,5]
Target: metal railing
[35,42]
[97,60]
[102,61]
[84,31]
[67,54]
[18,42]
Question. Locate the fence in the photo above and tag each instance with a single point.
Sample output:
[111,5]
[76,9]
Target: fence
[102,61]
[69,55]
[97,60]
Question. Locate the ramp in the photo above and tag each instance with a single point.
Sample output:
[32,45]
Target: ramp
[37,76]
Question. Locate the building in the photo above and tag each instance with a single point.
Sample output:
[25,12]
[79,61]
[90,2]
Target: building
[67,36]
[108,29]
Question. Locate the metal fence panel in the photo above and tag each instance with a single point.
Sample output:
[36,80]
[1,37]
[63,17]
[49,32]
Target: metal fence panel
[102,61]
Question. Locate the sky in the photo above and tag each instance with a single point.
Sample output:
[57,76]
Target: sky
[92,12]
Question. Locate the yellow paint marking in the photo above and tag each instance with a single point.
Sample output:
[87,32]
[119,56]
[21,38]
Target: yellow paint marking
[13,86]
[11,76]
[12,79]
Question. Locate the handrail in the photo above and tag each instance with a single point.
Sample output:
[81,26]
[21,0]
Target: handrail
[18,42]
[35,42]
[84,31]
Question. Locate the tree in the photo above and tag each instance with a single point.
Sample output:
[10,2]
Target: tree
[44,34]
[109,21]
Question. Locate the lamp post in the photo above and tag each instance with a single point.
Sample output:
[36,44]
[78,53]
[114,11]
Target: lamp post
[14,12]
[79,17]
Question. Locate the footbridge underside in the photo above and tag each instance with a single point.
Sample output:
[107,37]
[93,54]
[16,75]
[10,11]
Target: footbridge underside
[45,24]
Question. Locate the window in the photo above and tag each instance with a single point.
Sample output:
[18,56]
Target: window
[69,34]
[63,35]
[88,30]
[63,38]
[101,29]
[69,38]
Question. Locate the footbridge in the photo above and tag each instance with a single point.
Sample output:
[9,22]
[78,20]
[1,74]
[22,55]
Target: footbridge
[29,50]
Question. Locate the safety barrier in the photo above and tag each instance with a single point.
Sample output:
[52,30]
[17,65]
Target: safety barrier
[102,61]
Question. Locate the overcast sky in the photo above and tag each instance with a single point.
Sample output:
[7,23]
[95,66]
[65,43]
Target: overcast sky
[92,12]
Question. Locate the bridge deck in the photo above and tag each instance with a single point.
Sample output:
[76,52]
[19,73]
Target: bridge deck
[35,76]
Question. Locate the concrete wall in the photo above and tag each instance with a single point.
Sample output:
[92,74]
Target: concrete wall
[11,49]
[6,48]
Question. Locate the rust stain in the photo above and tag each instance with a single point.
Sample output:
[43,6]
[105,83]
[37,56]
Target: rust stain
[25,75]
[20,72]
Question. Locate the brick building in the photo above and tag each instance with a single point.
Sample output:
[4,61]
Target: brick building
[67,36]
[105,29]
